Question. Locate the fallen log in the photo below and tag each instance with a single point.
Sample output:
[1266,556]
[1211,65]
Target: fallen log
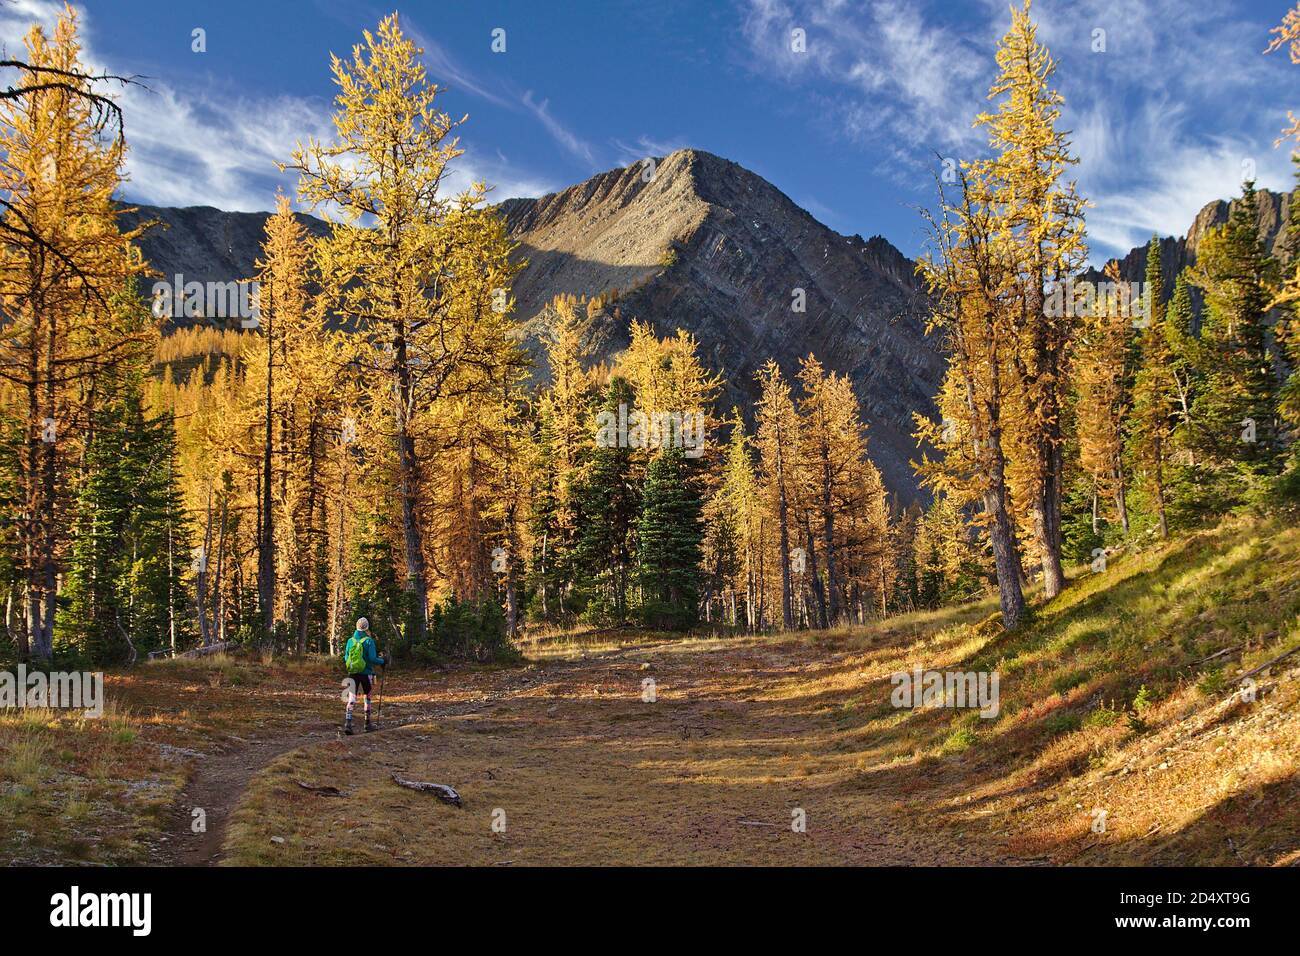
[325,791]
[1226,650]
[440,790]
[209,649]
[1267,664]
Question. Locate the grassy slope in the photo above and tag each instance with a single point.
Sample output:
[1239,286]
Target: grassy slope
[1197,776]
[98,790]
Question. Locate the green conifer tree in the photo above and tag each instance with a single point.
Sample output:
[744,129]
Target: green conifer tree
[1234,420]
[669,534]
[374,590]
[1154,395]
[130,549]
[607,502]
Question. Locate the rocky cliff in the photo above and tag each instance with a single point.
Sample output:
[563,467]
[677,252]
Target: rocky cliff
[1178,252]
[202,243]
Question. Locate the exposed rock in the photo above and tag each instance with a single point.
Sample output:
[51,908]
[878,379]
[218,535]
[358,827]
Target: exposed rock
[1178,252]
[203,244]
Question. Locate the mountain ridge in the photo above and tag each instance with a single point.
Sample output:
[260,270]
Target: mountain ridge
[694,241]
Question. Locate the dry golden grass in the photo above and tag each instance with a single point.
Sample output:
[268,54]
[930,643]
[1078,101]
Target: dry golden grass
[1198,776]
[91,790]
[1119,696]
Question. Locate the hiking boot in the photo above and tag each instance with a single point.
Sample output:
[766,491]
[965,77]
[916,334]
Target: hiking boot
[347,726]
[369,725]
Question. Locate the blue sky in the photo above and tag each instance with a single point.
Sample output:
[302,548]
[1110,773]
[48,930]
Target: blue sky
[1179,104]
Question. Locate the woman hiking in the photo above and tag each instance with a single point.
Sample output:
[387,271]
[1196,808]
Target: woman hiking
[360,656]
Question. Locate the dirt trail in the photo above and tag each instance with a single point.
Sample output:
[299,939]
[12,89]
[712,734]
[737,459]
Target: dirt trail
[219,780]
[217,783]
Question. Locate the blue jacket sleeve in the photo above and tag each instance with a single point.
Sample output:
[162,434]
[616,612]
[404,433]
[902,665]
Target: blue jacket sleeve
[371,649]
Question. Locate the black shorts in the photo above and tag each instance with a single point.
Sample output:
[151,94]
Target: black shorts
[361,683]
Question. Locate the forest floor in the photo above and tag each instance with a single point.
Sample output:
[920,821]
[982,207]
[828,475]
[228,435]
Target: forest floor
[1121,738]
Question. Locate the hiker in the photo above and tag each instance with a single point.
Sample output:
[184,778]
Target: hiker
[360,656]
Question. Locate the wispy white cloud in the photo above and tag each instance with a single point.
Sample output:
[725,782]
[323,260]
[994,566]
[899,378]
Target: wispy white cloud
[447,71]
[1169,104]
[184,147]
[645,146]
[503,177]
[1168,117]
[188,147]
[558,131]
[878,73]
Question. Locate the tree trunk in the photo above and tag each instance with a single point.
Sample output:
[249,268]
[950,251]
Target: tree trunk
[171,561]
[307,564]
[266,538]
[1047,519]
[818,589]
[201,582]
[1006,558]
[412,540]
[1121,497]
[1010,597]
[1160,487]
[783,530]
[832,609]
[218,592]
[340,565]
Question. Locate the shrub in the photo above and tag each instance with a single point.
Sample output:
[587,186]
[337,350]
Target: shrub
[467,630]
[961,739]
[1141,704]
[1062,722]
[1212,682]
[1102,717]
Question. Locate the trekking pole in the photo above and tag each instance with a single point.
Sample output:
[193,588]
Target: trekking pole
[380,703]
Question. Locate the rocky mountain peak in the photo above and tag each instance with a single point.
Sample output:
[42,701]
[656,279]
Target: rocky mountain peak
[694,241]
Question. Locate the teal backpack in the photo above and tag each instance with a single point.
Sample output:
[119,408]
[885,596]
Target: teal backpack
[355,659]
